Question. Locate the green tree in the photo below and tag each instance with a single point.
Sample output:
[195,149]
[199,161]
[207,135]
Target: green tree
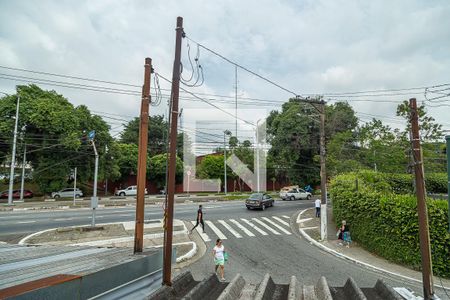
[156,170]
[293,134]
[52,128]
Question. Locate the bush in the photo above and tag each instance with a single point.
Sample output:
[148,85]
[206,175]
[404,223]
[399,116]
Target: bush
[386,223]
[436,183]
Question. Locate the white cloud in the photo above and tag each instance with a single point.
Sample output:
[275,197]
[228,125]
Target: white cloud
[307,46]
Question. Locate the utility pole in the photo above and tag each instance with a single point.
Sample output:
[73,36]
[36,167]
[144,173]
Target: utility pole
[94,199]
[323,175]
[13,157]
[74,185]
[374,161]
[168,230]
[23,172]
[424,235]
[447,138]
[142,159]
[225,187]
[235,98]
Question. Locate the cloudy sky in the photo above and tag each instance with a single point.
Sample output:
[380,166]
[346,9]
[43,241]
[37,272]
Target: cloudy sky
[307,47]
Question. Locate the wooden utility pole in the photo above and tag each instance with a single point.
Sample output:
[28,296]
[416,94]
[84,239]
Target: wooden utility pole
[323,175]
[142,159]
[424,235]
[168,215]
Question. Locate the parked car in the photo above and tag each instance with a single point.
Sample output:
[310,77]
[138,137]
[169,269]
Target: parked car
[67,193]
[259,200]
[129,191]
[16,194]
[295,194]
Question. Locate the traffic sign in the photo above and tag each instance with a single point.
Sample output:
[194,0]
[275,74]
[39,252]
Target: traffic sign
[91,134]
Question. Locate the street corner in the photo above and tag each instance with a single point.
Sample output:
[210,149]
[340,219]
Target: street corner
[308,224]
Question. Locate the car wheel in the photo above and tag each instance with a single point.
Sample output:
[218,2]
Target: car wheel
[122,194]
[56,196]
[273,202]
[248,207]
[308,197]
[292,198]
[263,207]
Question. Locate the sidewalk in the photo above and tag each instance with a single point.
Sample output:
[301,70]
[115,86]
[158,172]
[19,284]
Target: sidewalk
[117,235]
[309,227]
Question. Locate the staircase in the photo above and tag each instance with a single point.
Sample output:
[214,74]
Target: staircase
[185,287]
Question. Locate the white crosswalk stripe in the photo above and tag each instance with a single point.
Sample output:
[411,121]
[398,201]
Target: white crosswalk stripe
[254,226]
[216,230]
[239,228]
[230,229]
[281,221]
[204,236]
[275,224]
[286,217]
[245,230]
[266,226]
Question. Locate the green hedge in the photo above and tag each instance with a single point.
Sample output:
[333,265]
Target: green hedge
[387,224]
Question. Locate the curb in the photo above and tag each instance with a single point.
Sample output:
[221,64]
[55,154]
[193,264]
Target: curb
[340,255]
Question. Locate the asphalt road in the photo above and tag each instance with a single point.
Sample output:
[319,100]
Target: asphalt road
[282,255]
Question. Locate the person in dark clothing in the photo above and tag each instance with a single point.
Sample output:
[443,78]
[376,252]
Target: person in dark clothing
[199,218]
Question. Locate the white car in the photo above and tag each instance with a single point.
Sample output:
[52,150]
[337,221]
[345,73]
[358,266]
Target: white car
[295,194]
[67,193]
[129,191]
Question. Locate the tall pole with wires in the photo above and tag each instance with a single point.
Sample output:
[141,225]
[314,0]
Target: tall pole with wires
[168,230]
[13,156]
[142,159]
[235,98]
[22,183]
[424,235]
[323,175]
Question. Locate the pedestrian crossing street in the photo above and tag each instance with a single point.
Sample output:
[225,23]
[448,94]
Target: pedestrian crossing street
[244,227]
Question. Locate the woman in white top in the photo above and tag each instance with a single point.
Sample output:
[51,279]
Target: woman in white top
[219,258]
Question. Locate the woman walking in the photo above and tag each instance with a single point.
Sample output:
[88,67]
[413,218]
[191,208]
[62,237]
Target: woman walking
[219,258]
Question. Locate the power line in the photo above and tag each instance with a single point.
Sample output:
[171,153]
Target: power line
[243,68]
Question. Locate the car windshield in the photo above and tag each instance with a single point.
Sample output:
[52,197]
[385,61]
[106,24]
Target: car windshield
[256,196]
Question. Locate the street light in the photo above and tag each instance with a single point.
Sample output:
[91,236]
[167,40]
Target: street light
[225,133]
[13,157]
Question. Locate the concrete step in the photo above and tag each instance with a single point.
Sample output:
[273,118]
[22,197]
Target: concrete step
[212,288]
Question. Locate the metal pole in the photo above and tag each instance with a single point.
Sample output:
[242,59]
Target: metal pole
[23,171]
[94,200]
[424,235]
[167,263]
[323,176]
[74,185]
[447,138]
[257,155]
[13,157]
[224,164]
[235,98]
[142,159]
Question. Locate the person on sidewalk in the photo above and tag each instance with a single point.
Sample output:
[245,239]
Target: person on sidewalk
[317,205]
[344,233]
[219,258]
[199,219]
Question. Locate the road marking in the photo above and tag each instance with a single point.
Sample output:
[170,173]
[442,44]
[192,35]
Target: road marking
[204,236]
[287,217]
[265,225]
[216,230]
[234,232]
[254,226]
[124,215]
[245,230]
[25,222]
[276,225]
[304,220]
[281,221]
[63,219]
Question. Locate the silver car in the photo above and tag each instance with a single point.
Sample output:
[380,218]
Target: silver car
[67,193]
